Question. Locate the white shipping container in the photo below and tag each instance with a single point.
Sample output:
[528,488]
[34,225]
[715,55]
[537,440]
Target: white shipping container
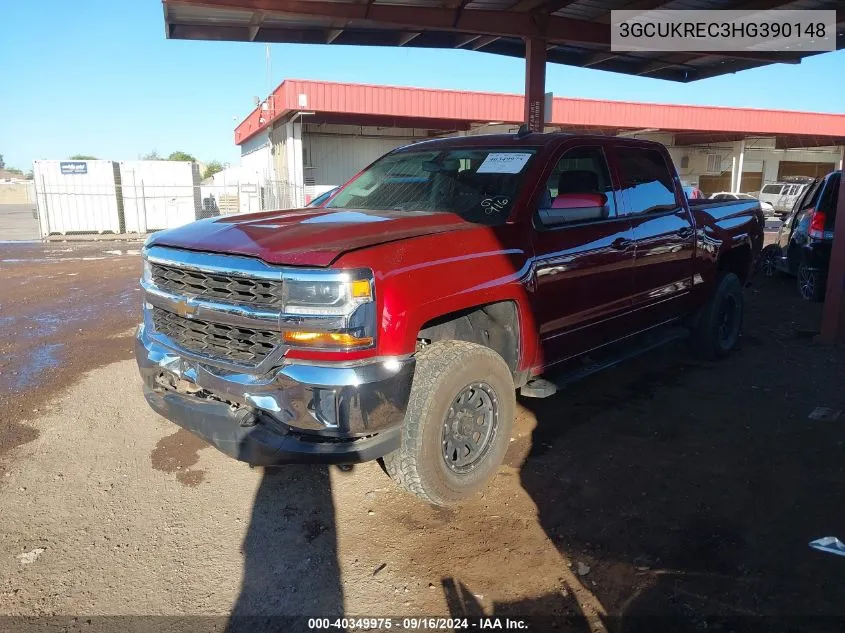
[159,194]
[77,196]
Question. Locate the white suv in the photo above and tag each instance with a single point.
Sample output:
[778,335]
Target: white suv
[782,195]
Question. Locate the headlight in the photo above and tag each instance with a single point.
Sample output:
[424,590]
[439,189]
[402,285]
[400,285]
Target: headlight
[331,310]
[331,298]
[147,274]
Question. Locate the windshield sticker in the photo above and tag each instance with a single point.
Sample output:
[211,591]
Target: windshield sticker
[495,205]
[503,163]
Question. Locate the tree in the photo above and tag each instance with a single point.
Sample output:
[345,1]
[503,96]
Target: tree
[153,155]
[211,168]
[82,157]
[2,162]
[182,156]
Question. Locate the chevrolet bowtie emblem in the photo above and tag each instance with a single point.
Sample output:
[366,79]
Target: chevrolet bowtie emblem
[185,309]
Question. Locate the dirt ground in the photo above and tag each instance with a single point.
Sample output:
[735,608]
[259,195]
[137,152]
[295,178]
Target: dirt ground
[650,497]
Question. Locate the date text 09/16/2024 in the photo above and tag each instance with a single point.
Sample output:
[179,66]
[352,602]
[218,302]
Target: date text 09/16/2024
[417,624]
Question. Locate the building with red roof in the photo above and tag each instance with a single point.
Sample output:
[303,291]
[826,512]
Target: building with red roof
[310,136]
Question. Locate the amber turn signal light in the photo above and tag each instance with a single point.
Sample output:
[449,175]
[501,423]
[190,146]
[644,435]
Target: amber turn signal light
[327,339]
[361,289]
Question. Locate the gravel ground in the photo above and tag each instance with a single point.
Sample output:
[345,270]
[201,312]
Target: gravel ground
[665,487]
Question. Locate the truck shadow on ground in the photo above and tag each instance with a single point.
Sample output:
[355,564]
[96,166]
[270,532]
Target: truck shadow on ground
[684,491]
[690,490]
[291,569]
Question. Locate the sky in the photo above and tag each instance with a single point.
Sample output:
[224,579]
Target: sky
[99,77]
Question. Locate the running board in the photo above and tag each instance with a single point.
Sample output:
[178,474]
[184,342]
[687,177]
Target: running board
[549,384]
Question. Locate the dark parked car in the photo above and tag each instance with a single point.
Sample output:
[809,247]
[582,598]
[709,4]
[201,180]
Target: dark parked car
[804,242]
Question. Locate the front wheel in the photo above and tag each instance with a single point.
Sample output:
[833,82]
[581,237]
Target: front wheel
[457,425]
[719,323]
[810,283]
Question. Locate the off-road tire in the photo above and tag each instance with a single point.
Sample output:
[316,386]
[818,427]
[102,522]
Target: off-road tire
[443,370]
[707,336]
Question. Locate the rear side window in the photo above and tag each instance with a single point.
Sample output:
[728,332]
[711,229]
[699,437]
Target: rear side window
[772,189]
[811,196]
[829,199]
[646,181]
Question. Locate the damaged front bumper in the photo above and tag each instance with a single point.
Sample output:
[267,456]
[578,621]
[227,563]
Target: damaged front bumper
[296,413]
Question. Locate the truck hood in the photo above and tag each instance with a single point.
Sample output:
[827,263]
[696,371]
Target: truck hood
[305,237]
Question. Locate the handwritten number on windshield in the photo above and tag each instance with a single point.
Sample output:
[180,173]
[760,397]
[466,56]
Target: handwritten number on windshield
[495,205]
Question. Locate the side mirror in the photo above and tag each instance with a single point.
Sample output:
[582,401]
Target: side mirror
[568,208]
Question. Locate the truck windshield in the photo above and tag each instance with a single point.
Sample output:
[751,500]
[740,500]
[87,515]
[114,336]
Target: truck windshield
[480,185]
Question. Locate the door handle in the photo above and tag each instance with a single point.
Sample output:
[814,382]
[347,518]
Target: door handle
[685,232]
[621,244]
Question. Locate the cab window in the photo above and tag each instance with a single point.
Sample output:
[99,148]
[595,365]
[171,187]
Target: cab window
[581,170]
[647,183]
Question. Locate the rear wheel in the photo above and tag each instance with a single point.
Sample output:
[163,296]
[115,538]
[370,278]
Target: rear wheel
[458,422]
[719,323]
[810,283]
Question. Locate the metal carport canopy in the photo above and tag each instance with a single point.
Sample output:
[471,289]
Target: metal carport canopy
[572,32]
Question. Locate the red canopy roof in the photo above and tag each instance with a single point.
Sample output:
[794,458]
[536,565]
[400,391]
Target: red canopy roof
[453,109]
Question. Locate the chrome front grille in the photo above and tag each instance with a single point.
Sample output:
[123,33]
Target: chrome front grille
[259,293]
[239,345]
[223,309]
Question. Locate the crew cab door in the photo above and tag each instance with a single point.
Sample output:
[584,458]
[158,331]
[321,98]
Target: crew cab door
[663,233]
[582,259]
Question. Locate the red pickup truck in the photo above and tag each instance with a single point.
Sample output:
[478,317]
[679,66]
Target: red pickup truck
[398,320]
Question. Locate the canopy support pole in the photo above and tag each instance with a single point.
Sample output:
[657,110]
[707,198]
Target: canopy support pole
[535,83]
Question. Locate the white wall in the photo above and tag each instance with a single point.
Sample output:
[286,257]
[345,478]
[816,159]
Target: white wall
[760,155]
[331,160]
[256,156]
[332,154]
[770,174]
